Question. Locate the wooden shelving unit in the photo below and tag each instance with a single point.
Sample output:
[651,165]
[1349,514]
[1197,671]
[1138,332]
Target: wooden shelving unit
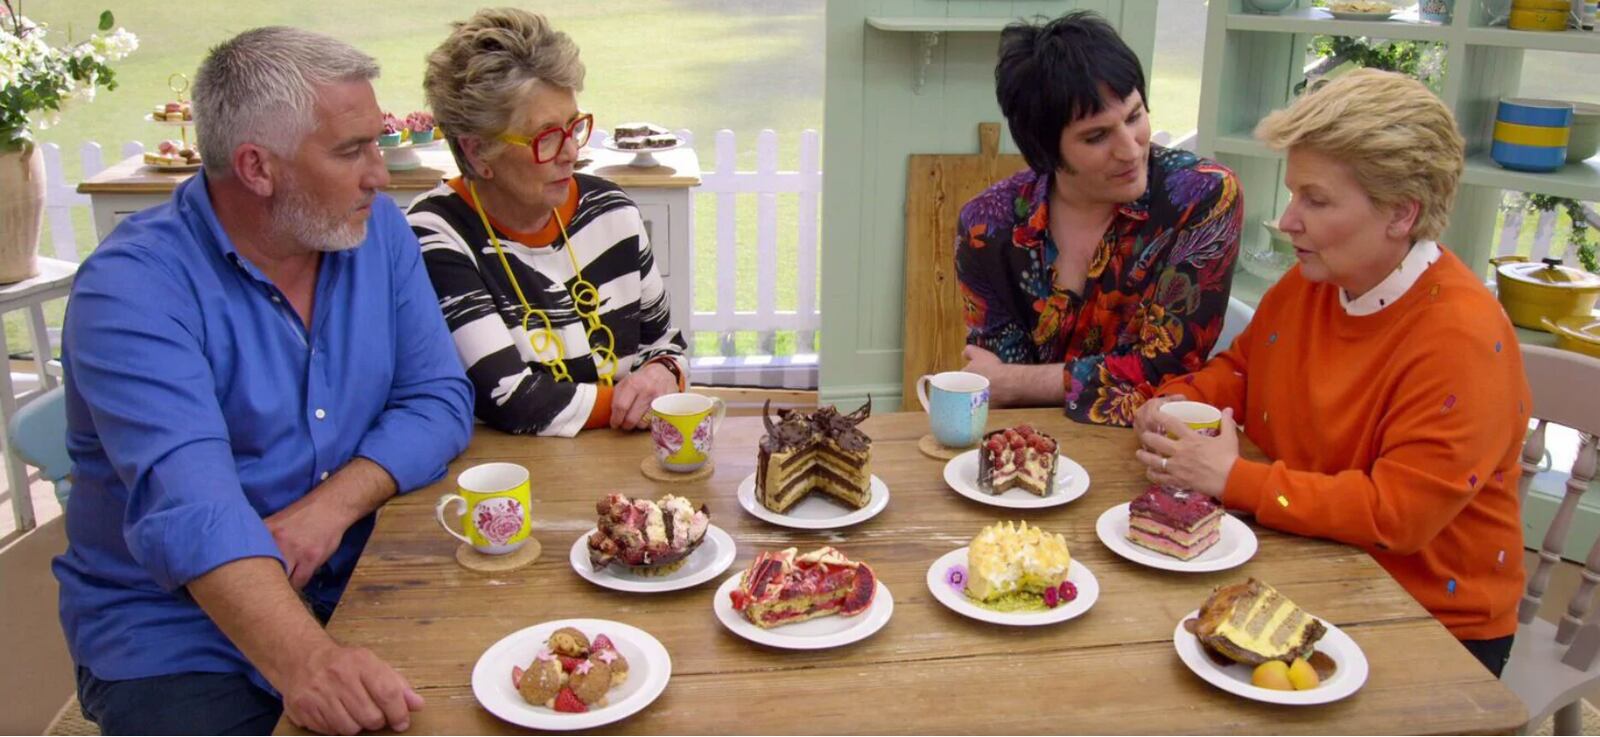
[1254,61]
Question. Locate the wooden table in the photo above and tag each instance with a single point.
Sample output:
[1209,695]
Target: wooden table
[1113,670]
[663,194]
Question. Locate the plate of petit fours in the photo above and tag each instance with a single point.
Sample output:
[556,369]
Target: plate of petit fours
[1248,639]
[812,471]
[1017,468]
[635,137]
[1014,575]
[1176,530]
[647,546]
[811,601]
[571,674]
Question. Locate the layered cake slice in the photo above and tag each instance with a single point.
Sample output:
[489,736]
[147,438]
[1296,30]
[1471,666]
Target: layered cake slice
[1252,623]
[1011,568]
[821,451]
[1175,522]
[784,588]
[1017,457]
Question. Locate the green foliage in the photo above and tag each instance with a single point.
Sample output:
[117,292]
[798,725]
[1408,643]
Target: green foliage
[1582,232]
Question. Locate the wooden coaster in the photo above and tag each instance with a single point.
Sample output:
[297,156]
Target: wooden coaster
[931,448]
[652,470]
[473,560]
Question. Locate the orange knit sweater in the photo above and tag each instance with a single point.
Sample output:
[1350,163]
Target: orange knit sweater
[1397,432]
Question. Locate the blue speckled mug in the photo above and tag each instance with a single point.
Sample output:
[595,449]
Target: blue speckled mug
[957,404]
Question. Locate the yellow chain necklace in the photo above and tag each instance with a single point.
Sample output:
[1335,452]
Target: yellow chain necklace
[585,301]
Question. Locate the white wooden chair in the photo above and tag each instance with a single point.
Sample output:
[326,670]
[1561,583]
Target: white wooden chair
[1233,322]
[1554,665]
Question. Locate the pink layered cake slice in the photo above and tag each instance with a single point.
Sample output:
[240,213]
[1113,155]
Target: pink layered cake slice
[1175,522]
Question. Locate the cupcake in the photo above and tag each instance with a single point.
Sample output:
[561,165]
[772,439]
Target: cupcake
[420,125]
[590,680]
[391,131]
[543,680]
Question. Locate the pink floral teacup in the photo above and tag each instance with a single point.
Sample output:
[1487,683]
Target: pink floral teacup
[494,499]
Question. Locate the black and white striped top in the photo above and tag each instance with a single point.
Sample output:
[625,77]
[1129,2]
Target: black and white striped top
[515,391]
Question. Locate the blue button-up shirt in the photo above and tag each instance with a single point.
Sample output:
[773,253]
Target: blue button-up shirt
[198,404]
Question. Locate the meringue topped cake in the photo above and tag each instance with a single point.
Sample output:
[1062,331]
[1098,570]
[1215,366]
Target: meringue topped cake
[1174,522]
[822,451]
[1017,457]
[1252,623]
[1012,567]
[784,588]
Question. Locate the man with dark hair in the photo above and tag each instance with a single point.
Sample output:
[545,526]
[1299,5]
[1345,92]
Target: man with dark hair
[1104,268]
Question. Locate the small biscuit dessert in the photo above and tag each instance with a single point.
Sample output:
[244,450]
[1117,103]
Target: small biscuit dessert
[543,680]
[590,680]
[569,642]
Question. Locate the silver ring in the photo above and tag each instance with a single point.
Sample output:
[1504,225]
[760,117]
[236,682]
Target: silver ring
[1164,464]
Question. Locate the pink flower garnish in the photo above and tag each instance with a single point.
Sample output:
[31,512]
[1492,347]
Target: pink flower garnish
[607,656]
[583,668]
[956,577]
[545,655]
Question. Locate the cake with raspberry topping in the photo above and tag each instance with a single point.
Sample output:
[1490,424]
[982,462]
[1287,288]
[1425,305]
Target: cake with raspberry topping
[1017,457]
[650,537]
[1174,522]
[784,588]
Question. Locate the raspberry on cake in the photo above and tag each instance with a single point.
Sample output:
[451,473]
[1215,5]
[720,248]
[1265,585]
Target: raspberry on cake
[1175,522]
[652,537]
[784,588]
[821,451]
[1017,568]
[1017,457]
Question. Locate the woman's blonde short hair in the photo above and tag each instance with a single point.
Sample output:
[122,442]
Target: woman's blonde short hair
[1400,139]
[478,77]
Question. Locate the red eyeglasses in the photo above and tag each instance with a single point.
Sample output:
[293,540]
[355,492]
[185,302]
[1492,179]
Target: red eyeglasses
[546,144]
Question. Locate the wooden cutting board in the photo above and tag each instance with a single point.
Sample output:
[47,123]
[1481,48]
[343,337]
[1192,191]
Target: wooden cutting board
[937,185]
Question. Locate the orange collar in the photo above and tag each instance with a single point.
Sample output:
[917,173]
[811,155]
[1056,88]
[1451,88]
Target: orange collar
[541,238]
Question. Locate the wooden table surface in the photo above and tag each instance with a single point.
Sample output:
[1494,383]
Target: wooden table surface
[1112,670]
[679,168]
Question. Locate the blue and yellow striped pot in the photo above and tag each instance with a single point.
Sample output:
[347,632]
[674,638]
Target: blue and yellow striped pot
[1531,135]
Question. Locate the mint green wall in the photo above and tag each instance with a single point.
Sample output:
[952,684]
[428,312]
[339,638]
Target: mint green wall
[873,121]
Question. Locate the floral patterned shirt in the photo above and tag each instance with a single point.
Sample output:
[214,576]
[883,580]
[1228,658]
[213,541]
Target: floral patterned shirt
[1155,295]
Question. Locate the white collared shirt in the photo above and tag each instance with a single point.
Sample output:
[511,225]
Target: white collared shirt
[1394,286]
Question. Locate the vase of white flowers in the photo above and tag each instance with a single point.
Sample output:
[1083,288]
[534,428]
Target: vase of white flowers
[36,81]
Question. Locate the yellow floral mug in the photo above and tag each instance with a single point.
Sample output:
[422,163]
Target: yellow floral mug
[494,501]
[682,428]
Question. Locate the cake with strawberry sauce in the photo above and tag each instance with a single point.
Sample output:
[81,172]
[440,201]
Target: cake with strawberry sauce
[1017,457]
[784,587]
[1174,522]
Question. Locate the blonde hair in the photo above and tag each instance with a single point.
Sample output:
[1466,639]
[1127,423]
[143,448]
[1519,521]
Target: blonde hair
[478,76]
[1398,137]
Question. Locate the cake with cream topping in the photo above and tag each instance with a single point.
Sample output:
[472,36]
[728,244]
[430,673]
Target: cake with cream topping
[1011,567]
[1174,522]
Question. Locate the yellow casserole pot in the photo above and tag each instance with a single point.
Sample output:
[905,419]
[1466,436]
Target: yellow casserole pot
[1538,20]
[1579,334]
[1561,5]
[1532,292]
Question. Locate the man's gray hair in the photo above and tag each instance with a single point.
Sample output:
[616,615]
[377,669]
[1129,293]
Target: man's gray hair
[259,87]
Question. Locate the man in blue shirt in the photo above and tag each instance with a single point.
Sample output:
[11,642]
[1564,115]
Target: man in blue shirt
[252,368]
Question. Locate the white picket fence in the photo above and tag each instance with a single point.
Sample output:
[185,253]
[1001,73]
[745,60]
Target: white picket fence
[723,181]
[1543,234]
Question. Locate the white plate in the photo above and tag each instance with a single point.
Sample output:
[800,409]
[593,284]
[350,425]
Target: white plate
[649,667]
[715,554]
[1079,574]
[176,167]
[1236,543]
[813,634]
[1362,16]
[817,511]
[1072,481]
[149,119]
[1348,676]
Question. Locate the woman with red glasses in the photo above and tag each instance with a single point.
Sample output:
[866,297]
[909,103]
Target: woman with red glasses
[545,276]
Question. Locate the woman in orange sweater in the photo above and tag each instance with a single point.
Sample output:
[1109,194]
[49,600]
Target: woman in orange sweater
[1380,375]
